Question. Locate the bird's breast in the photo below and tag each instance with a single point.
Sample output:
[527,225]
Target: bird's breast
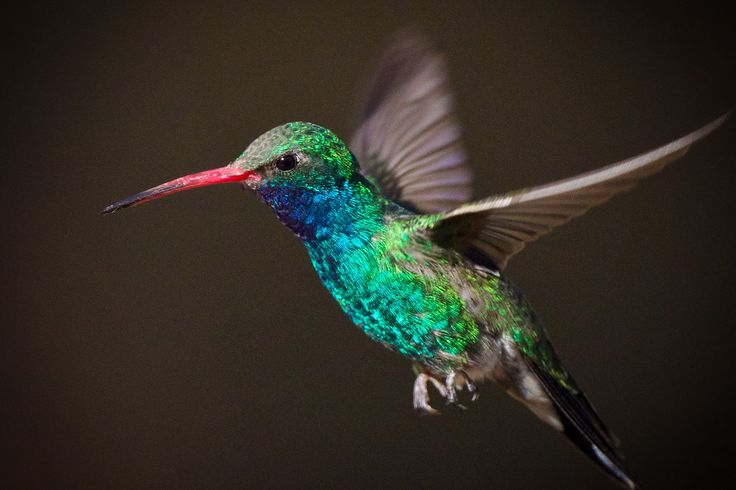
[399,296]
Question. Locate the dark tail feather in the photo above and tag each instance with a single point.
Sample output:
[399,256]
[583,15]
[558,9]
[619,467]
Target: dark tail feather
[583,427]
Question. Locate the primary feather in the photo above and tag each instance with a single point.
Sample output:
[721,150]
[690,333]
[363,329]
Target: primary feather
[501,226]
[407,138]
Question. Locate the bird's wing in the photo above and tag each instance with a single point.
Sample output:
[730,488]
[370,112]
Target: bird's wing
[407,138]
[499,227]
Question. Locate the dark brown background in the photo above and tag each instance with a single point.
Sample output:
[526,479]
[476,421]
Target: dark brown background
[189,344]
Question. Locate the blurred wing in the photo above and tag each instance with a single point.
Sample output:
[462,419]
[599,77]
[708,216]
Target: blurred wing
[499,227]
[407,138]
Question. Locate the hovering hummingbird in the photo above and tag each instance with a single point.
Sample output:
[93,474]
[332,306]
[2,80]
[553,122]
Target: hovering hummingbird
[386,226]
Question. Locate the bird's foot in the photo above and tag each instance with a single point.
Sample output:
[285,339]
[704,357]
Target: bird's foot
[471,387]
[421,394]
[452,392]
[448,390]
[450,383]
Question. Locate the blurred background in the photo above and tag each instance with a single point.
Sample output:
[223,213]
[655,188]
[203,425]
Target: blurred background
[189,344]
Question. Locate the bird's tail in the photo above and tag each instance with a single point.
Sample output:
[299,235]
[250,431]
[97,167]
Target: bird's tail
[584,428]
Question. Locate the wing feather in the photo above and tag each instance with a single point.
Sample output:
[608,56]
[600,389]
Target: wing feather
[501,226]
[407,137]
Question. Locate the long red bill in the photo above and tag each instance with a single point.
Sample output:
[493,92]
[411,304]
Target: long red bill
[221,175]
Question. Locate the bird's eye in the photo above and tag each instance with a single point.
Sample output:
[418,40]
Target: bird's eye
[287,162]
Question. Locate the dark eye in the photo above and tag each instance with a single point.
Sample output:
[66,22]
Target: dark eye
[286,162]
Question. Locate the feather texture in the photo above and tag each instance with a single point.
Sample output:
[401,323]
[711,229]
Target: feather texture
[407,138]
[582,425]
[500,227]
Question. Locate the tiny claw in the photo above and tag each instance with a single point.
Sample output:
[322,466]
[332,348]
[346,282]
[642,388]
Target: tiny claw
[421,395]
[450,387]
[471,387]
[452,398]
[427,411]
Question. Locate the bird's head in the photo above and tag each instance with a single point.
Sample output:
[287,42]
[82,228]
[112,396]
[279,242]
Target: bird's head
[290,161]
[303,171]
[296,162]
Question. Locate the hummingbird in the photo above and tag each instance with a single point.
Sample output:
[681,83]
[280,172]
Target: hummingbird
[386,222]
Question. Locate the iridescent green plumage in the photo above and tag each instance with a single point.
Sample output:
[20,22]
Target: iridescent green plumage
[364,246]
[380,261]
[411,265]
